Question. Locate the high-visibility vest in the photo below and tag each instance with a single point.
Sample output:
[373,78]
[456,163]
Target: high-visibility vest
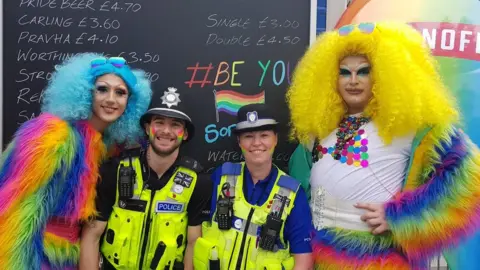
[151,228]
[237,248]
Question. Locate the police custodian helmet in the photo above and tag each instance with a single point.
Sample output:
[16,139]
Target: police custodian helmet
[255,117]
[170,98]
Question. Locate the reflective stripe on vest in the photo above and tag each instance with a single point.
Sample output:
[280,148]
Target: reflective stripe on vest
[246,227]
[162,213]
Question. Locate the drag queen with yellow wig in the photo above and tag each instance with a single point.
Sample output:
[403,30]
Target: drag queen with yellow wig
[393,181]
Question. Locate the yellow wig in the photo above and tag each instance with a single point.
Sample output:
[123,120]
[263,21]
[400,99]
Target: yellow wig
[408,93]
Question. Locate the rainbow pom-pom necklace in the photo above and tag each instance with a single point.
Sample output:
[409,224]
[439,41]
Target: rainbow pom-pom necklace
[352,144]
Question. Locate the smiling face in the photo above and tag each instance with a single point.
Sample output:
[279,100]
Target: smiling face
[109,99]
[258,146]
[165,134]
[355,83]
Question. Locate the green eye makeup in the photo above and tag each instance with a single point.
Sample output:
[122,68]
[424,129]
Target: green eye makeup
[364,71]
[345,72]
[361,72]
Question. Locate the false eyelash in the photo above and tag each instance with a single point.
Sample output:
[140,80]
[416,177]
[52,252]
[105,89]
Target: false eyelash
[345,72]
[364,71]
[101,88]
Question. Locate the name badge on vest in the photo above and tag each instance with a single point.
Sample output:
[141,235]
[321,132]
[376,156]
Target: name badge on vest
[168,207]
[183,179]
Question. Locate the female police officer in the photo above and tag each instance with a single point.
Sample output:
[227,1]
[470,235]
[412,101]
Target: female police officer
[260,218]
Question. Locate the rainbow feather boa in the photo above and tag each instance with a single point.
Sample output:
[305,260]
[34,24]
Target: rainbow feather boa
[438,209]
[50,169]
[440,205]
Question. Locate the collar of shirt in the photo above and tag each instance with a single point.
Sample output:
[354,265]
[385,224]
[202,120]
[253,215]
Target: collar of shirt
[257,194]
[151,176]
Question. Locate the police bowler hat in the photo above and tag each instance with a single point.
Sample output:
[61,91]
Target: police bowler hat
[255,117]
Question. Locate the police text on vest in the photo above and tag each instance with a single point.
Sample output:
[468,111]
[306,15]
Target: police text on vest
[162,207]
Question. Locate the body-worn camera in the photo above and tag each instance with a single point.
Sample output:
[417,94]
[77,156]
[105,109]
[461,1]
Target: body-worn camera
[126,182]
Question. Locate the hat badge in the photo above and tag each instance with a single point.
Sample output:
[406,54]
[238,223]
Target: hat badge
[252,117]
[171,97]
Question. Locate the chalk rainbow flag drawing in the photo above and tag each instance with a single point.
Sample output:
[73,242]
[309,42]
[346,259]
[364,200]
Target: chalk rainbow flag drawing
[229,102]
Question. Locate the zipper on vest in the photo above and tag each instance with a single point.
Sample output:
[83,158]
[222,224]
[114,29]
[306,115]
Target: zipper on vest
[245,232]
[146,231]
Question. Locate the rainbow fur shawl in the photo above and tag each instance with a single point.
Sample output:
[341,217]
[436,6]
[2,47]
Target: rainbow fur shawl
[50,169]
[437,210]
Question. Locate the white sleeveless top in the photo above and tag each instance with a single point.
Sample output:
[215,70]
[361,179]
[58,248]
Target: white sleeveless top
[368,172]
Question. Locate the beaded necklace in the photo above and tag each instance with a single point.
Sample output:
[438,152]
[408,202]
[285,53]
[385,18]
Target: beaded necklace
[347,130]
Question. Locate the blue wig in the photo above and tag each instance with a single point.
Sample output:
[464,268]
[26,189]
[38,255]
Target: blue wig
[69,95]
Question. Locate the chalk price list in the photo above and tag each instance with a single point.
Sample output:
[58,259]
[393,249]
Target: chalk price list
[271,23]
[269,39]
[90,5]
[44,24]
[102,8]
[273,31]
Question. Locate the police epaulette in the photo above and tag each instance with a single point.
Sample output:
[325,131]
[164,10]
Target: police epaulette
[191,164]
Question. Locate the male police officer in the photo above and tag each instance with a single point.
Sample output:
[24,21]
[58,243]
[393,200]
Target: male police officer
[154,200]
[260,216]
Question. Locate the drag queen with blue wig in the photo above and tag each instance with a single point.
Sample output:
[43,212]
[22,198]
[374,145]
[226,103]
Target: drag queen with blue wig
[393,179]
[49,171]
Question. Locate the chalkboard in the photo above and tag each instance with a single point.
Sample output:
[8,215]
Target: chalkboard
[212,51]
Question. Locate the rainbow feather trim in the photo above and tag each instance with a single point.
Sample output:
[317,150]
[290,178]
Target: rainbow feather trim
[49,170]
[61,251]
[445,209]
[335,248]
